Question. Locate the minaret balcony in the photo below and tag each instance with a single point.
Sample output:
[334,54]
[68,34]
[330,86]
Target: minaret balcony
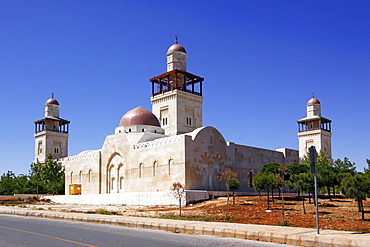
[177,80]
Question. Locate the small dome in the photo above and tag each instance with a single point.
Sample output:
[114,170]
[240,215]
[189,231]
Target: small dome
[313,101]
[176,48]
[139,116]
[52,101]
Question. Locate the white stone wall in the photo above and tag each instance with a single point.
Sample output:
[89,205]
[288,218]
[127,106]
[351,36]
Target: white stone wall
[176,60]
[52,110]
[131,198]
[176,102]
[194,159]
[207,154]
[321,139]
[83,169]
[51,140]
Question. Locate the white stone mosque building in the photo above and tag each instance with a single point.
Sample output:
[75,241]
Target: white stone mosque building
[150,150]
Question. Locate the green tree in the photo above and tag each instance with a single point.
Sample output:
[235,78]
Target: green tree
[367,170]
[321,161]
[8,183]
[272,168]
[358,188]
[233,184]
[328,177]
[21,184]
[53,173]
[295,169]
[264,181]
[302,182]
[36,175]
[281,183]
[345,166]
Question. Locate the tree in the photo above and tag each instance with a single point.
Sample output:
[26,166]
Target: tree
[321,161]
[7,183]
[328,177]
[302,182]
[271,168]
[367,170]
[345,166]
[358,188]
[178,190]
[233,184]
[53,172]
[295,169]
[36,175]
[264,181]
[280,181]
[226,176]
[21,184]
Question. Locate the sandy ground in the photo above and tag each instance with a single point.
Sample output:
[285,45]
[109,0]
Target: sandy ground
[338,214]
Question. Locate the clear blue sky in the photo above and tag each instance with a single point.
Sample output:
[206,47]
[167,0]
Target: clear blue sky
[261,61]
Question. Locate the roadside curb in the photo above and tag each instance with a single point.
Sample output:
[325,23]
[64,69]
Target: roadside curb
[275,234]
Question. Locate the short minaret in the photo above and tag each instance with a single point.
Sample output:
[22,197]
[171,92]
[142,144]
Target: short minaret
[51,133]
[314,130]
[177,95]
[176,57]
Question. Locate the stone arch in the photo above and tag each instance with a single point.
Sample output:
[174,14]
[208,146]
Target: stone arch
[155,164]
[170,162]
[114,170]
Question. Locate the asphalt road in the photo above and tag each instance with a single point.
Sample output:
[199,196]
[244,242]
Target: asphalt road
[30,232]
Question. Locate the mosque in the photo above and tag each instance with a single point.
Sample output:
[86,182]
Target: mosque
[150,150]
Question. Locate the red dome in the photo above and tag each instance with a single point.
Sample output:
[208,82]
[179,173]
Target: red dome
[139,116]
[176,48]
[52,101]
[313,101]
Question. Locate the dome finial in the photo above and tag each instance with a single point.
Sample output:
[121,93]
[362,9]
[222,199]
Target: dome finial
[313,95]
[176,39]
[52,95]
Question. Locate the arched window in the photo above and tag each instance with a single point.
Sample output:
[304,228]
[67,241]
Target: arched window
[120,183]
[80,177]
[154,164]
[71,177]
[89,177]
[140,170]
[112,184]
[169,165]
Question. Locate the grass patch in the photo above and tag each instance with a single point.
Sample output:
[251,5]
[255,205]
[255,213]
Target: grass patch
[102,211]
[172,216]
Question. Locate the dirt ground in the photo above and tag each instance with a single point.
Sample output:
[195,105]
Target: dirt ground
[338,214]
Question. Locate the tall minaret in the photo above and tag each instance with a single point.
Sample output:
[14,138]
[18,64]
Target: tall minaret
[314,130]
[51,133]
[177,95]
